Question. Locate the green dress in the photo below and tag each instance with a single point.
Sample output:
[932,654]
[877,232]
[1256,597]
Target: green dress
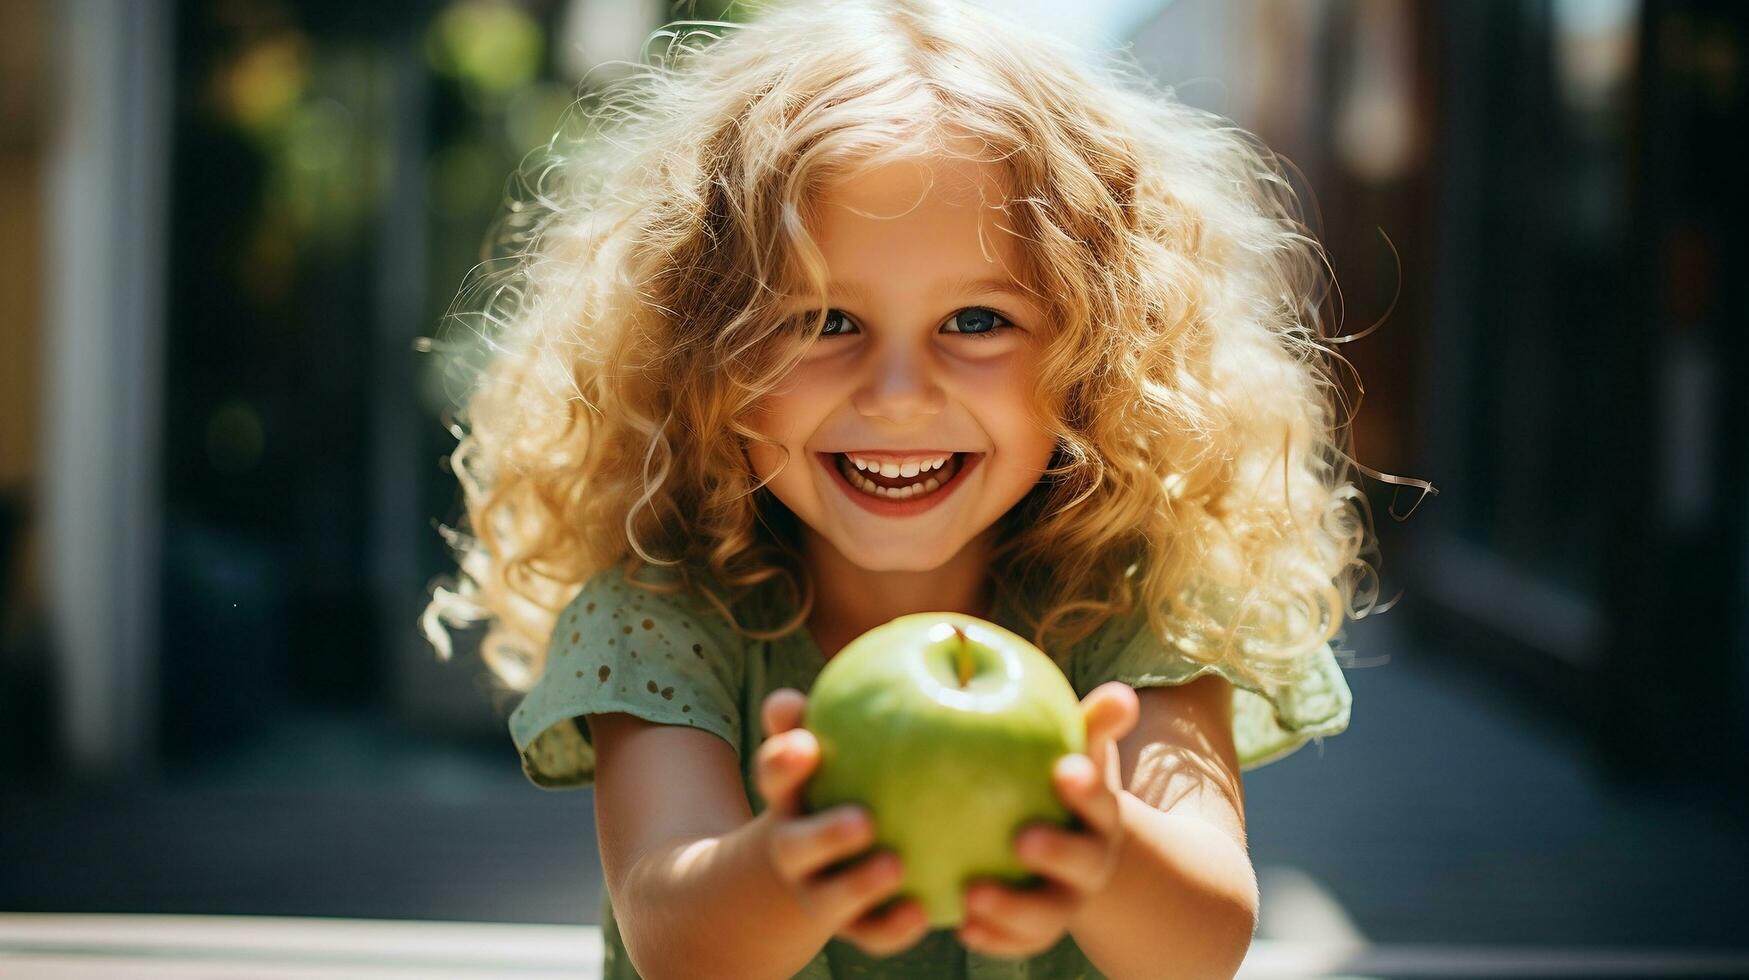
[672,660]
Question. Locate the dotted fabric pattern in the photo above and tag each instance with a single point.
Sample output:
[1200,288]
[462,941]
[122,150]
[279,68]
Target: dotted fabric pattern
[619,648]
[1269,722]
[671,659]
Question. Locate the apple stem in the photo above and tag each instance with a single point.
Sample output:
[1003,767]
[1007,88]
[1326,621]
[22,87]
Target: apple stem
[963,658]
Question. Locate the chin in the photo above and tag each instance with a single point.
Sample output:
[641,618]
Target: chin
[897,558]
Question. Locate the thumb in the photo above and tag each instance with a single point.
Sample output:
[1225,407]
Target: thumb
[784,763]
[1111,710]
[782,710]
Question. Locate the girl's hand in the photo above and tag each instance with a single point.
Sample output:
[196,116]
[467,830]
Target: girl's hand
[1018,922]
[802,847]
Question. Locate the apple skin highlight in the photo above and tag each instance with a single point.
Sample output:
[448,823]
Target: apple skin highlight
[949,770]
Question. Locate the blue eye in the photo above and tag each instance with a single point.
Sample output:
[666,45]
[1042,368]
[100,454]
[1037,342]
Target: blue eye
[973,321]
[831,315]
[977,321]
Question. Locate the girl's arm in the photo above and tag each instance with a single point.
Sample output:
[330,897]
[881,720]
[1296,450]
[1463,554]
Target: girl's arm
[696,879]
[1183,901]
[1156,882]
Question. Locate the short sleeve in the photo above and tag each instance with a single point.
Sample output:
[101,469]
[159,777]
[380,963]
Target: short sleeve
[619,648]
[1270,720]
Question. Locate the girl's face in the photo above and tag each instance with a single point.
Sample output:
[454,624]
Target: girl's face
[928,350]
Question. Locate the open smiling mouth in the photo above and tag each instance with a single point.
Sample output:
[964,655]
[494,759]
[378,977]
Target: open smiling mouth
[899,495]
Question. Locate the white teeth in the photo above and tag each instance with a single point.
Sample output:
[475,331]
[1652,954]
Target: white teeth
[903,493]
[911,468]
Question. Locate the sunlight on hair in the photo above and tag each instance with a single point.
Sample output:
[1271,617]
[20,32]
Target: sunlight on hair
[638,306]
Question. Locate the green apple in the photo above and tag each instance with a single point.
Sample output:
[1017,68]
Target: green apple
[946,727]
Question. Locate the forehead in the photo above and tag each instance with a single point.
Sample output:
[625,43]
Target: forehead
[901,182]
[933,212]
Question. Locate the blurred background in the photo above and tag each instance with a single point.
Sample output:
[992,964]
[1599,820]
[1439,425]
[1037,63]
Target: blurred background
[223,224]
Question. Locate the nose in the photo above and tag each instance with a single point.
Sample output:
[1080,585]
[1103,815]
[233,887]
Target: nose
[900,387]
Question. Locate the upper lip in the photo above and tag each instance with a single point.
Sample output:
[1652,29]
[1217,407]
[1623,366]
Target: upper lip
[899,455]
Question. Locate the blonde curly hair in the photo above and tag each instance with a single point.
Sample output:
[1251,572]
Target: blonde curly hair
[636,314]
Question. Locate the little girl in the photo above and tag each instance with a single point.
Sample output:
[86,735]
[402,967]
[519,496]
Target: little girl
[875,308]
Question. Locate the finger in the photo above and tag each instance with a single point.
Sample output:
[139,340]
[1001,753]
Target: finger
[842,897]
[781,764]
[890,931]
[1086,792]
[782,710]
[989,939]
[1111,711]
[1023,914]
[807,845]
[1076,860]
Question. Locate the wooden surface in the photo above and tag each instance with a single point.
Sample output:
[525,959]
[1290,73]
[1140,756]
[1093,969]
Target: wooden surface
[236,946]
[197,947]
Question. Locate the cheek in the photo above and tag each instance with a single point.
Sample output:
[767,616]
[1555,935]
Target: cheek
[784,419]
[764,460]
[1024,448]
[767,421]
[1007,398]
[779,418]
[792,412]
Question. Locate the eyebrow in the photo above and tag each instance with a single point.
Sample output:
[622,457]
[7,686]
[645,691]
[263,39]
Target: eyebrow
[856,290]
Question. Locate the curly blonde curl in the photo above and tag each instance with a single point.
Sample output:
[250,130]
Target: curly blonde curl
[637,314]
